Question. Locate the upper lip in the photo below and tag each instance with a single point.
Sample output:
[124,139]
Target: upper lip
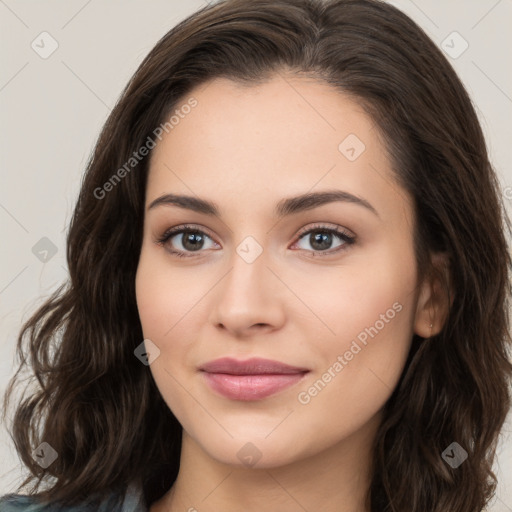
[253,366]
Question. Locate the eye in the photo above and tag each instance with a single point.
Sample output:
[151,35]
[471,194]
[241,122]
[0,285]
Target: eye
[189,238]
[320,238]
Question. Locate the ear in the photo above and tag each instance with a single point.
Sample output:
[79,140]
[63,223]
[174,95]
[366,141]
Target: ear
[434,299]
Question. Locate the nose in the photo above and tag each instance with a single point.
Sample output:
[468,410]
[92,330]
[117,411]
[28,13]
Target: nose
[249,299]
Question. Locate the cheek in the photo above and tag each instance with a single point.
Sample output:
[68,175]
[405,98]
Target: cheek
[371,313]
[164,295]
[371,297]
[164,311]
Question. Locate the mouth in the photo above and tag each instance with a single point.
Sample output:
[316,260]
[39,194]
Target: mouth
[253,379]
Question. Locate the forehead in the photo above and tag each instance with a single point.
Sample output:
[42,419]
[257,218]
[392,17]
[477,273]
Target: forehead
[280,138]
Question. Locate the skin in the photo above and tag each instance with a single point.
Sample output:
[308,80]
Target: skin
[247,148]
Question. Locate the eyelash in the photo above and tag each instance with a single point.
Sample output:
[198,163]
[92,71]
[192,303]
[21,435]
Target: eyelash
[186,228]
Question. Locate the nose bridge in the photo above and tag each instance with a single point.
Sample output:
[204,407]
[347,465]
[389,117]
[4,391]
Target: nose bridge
[249,275]
[248,294]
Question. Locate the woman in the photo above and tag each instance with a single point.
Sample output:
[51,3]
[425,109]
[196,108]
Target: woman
[339,341]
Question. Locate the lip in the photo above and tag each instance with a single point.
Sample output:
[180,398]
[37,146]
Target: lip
[252,379]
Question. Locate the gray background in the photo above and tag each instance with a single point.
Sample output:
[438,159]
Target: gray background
[53,108]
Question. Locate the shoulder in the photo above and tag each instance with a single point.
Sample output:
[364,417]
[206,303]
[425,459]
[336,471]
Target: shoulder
[20,503]
[132,502]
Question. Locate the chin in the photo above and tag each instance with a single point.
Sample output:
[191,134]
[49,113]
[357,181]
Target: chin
[255,451]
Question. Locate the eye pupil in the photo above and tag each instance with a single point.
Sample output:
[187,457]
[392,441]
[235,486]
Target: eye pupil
[321,241]
[195,240]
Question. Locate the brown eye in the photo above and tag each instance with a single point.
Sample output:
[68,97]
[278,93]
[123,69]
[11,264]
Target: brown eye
[322,238]
[184,241]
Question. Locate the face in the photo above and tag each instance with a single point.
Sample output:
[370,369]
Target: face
[326,285]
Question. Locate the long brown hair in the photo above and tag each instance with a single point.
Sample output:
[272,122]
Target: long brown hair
[98,406]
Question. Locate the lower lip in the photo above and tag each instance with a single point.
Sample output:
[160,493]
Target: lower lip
[250,387]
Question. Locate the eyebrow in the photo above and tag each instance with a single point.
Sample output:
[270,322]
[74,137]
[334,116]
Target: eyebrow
[285,207]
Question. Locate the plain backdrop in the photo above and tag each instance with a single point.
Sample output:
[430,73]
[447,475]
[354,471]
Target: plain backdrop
[53,106]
